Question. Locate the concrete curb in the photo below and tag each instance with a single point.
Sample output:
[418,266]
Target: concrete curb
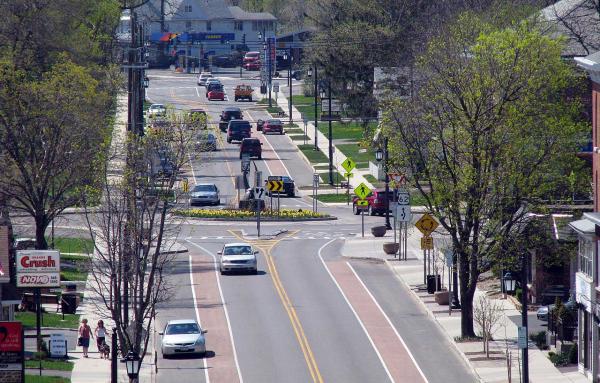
[429,313]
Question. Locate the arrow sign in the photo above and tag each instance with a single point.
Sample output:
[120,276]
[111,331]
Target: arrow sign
[362,191]
[349,164]
[362,202]
[426,224]
[259,192]
[275,186]
[402,213]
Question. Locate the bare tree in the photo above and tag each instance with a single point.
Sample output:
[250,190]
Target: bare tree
[578,21]
[488,316]
[128,269]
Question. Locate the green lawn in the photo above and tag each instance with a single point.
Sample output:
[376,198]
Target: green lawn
[274,110]
[73,275]
[49,320]
[341,197]
[321,167]
[294,131]
[343,130]
[337,177]
[306,106]
[73,245]
[50,364]
[45,379]
[289,126]
[263,101]
[351,150]
[314,156]
[299,137]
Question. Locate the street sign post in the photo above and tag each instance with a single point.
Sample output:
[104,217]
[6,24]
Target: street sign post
[426,243]
[316,179]
[402,213]
[362,191]
[362,205]
[258,194]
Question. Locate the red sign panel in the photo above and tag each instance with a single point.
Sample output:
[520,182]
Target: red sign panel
[10,337]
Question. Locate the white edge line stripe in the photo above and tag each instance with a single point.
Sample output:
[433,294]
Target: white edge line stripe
[204,362]
[197,93]
[237,365]
[352,309]
[389,321]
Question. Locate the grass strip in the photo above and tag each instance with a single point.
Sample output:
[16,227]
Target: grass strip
[299,137]
[73,275]
[73,245]
[352,151]
[344,130]
[330,197]
[46,379]
[48,320]
[314,156]
[50,364]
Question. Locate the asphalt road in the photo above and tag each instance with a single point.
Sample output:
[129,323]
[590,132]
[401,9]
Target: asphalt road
[309,315]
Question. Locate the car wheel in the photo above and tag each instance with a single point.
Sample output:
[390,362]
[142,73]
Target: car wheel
[280,133]
[218,202]
[292,194]
[250,99]
[260,156]
[235,99]
[371,211]
[355,209]
[255,271]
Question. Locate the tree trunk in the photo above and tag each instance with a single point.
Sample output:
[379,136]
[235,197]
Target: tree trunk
[466,298]
[41,224]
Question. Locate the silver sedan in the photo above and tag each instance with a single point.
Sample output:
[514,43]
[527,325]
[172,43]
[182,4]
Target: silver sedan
[205,194]
[182,336]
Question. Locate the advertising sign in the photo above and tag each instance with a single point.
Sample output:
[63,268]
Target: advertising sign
[11,352]
[38,268]
[4,257]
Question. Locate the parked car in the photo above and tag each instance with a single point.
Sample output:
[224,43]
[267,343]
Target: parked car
[243,92]
[237,257]
[226,61]
[216,93]
[203,77]
[544,311]
[272,126]
[251,56]
[251,146]
[259,125]
[376,200]
[238,130]
[289,187]
[231,113]
[252,65]
[183,336]
[156,110]
[205,194]
[206,142]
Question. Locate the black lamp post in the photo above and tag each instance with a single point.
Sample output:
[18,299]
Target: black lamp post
[382,154]
[510,282]
[146,82]
[132,363]
[330,130]
[315,80]
[289,57]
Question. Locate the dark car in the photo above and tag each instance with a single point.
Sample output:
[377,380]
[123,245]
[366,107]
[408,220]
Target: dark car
[376,201]
[226,61]
[227,115]
[289,187]
[213,86]
[259,125]
[251,146]
[237,130]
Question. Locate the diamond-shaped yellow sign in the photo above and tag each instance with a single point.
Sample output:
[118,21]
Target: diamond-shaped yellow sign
[426,224]
[348,164]
[362,191]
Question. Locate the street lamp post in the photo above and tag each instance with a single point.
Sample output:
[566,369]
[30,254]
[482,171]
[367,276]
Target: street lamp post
[510,281]
[382,154]
[315,80]
[132,363]
[289,57]
[330,130]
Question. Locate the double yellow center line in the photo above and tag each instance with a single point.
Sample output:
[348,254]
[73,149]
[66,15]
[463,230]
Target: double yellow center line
[266,246]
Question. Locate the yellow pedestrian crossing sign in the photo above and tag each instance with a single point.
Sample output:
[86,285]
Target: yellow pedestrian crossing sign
[348,164]
[274,186]
[362,191]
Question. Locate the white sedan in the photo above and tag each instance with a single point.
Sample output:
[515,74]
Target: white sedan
[182,337]
[237,257]
[156,110]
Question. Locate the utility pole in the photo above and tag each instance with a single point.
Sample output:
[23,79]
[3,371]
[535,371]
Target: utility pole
[525,358]
[330,136]
[270,68]
[290,81]
[316,107]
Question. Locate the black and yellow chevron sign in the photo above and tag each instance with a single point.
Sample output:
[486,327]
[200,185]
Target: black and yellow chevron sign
[275,186]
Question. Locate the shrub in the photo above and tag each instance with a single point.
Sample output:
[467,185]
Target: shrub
[233,213]
[539,339]
[519,294]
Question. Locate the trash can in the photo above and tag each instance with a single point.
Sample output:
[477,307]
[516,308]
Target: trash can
[68,302]
[431,283]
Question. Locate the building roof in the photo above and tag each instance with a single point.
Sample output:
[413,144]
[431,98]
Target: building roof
[583,226]
[239,14]
[578,21]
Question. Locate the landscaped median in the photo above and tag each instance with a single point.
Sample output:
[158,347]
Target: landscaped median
[247,215]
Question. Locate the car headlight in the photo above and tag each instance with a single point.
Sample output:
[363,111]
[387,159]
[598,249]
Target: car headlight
[199,341]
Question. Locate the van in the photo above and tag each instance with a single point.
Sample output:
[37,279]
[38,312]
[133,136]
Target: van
[237,130]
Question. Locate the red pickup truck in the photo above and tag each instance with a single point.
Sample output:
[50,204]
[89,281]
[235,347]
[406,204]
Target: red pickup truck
[376,201]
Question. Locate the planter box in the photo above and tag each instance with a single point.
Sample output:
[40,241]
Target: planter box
[391,248]
[442,297]
[378,231]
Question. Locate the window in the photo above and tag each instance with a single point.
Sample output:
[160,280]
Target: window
[238,26]
[585,255]
[188,25]
[209,26]
[187,8]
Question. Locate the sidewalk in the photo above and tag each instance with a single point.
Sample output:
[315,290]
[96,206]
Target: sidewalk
[94,369]
[492,370]
[322,143]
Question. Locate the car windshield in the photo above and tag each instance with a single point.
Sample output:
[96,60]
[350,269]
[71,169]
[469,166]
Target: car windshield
[182,328]
[204,188]
[252,143]
[237,250]
[274,122]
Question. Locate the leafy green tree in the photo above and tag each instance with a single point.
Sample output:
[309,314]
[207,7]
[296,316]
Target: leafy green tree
[485,136]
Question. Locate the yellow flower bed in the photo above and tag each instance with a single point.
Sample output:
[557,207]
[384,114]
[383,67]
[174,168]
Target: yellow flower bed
[232,213]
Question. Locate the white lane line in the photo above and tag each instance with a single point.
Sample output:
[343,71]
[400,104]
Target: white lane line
[197,93]
[237,365]
[353,311]
[204,362]
[389,322]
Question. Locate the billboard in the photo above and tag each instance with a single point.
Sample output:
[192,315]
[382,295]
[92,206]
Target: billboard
[11,352]
[38,268]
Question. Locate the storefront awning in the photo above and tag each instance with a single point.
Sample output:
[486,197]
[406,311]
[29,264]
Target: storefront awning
[583,226]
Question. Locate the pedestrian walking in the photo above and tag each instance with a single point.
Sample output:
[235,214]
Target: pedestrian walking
[101,333]
[85,333]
